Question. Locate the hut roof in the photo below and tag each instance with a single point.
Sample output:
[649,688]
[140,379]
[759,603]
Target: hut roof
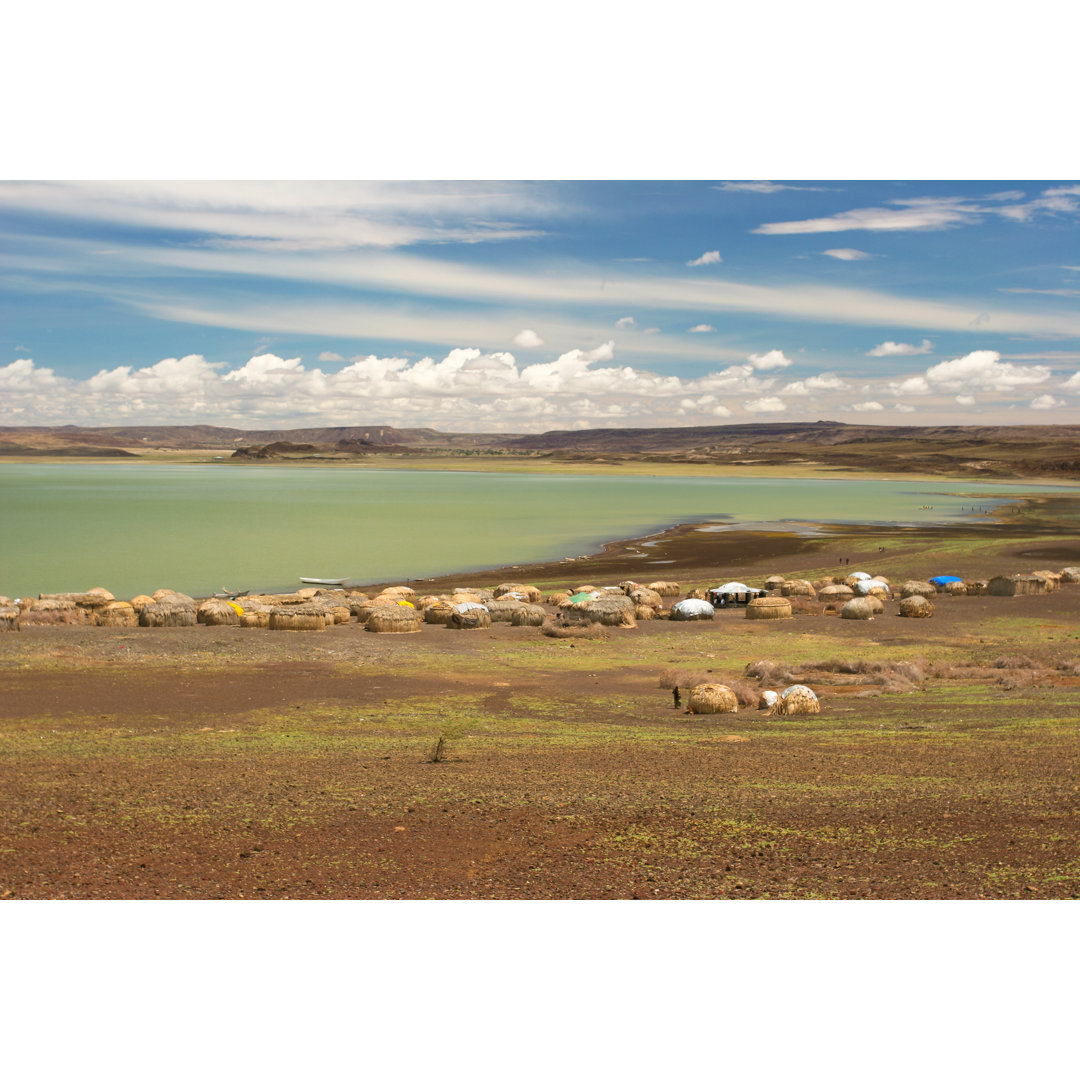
[862,575]
[732,587]
[944,579]
[694,607]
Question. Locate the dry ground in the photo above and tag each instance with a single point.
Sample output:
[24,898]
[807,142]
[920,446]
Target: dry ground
[222,763]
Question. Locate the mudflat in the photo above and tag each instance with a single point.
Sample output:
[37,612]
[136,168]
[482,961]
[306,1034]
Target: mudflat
[220,762]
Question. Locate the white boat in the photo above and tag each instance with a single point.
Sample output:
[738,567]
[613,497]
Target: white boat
[324,580]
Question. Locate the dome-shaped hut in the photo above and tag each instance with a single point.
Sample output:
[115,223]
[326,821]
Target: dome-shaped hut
[610,610]
[438,614]
[394,619]
[797,587]
[692,609]
[118,613]
[797,700]
[1070,575]
[217,613]
[666,588]
[528,615]
[297,617]
[711,698]
[858,607]
[917,588]
[915,607]
[646,597]
[769,607]
[469,617]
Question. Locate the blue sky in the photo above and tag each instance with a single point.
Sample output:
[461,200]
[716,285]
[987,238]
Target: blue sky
[524,306]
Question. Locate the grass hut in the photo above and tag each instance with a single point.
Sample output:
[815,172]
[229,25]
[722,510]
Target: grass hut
[502,610]
[9,617]
[140,601]
[1070,575]
[438,614]
[956,588]
[394,619]
[774,581]
[1017,585]
[977,588]
[615,611]
[692,609]
[528,615]
[422,603]
[711,698]
[529,593]
[797,700]
[297,617]
[697,594]
[835,595]
[915,607]
[399,592]
[469,617]
[768,699]
[666,588]
[629,586]
[876,600]
[256,620]
[363,612]
[643,597]
[917,588]
[856,576]
[643,612]
[217,613]
[168,612]
[466,596]
[859,607]
[118,613]
[1051,577]
[798,587]
[769,607]
[557,598]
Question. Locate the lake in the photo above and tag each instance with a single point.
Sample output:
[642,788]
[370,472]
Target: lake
[197,528]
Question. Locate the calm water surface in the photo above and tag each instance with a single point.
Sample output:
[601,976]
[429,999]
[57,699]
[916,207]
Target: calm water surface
[136,528]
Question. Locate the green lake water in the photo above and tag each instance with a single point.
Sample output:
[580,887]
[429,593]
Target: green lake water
[197,528]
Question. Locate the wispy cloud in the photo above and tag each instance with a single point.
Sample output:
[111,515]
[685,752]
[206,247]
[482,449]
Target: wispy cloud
[701,328]
[847,254]
[764,187]
[933,212]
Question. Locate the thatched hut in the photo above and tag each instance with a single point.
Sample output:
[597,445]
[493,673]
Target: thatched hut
[1051,577]
[117,613]
[692,609]
[769,607]
[362,612]
[217,613]
[53,613]
[835,595]
[438,614]
[466,596]
[9,617]
[92,601]
[629,586]
[469,617]
[394,619]
[774,581]
[643,597]
[977,588]
[170,611]
[917,588]
[1070,575]
[529,593]
[915,607]
[872,587]
[643,612]
[171,595]
[733,592]
[256,620]
[528,615]
[422,603]
[502,610]
[297,617]
[617,610]
[876,601]
[797,700]
[859,607]
[697,594]
[140,601]
[666,588]
[856,576]
[797,587]
[955,588]
[1017,585]
[557,598]
[710,698]
[399,592]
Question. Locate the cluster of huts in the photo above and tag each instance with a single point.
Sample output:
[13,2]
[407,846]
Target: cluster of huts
[401,609]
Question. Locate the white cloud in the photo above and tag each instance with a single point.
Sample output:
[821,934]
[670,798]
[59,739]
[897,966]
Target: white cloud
[1044,292]
[816,384]
[701,328]
[965,399]
[1072,383]
[651,330]
[916,384]
[901,407]
[765,405]
[707,259]
[774,358]
[761,187]
[528,339]
[984,370]
[867,406]
[1047,401]
[625,323]
[899,348]
[848,254]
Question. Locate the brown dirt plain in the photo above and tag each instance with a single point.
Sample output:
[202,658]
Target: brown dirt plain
[217,762]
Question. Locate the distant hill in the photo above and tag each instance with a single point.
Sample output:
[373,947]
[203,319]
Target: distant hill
[1001,451]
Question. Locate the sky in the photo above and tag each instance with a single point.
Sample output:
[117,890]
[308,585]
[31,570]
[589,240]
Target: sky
[527,306]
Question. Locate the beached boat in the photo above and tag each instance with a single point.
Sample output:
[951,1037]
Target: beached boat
[324,580]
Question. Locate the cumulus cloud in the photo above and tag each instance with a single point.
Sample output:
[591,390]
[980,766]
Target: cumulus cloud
[899,348]
[1072,383]
[706,259]
[848,254]
[1047,401]
[867,406]
[774,358]
[625,323]
[701,328]
[965,399]
[528,339]
[467,389]
[765,405]
[916,384]
[816,384]
[984,370]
